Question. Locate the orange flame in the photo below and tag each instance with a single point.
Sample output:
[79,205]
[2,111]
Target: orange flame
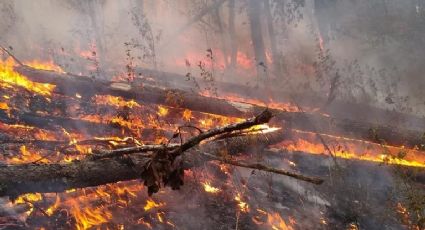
[243,206]
[10,77]
[150,204]
[44,65]
[117,102]
[210,189]
[276,222]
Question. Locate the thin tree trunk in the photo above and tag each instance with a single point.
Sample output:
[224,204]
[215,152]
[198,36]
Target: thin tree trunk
[232,36]
[217,17]
[272,37]
[254,15]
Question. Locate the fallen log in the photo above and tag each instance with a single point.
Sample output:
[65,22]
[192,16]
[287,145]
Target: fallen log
[158,168]
[70,85]
[53,122]
[337,109]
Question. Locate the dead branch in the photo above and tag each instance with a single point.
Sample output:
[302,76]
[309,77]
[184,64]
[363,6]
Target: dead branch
[262,167]
[11,55]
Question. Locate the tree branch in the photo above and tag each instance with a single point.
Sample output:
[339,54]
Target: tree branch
[262,167]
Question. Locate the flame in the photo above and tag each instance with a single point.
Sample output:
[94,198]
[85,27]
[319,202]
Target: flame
[210,189]
[162,111]
[117,102]
[247,103]
[150,204]
[187,114]
[244,61]
[44,65]
[30,197]
[264,128]
[353,149]
[11,78]
[28,157]
[243,206]
[4,106]
[276,222]
[53,208]
[88,217]
[272,220]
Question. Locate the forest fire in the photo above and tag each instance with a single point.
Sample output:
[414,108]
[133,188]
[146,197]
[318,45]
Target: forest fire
[82,215]
[187,115]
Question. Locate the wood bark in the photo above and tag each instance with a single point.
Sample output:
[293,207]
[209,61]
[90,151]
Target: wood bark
[312,122]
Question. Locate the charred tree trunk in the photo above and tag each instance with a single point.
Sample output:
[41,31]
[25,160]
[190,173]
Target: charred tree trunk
[312,122]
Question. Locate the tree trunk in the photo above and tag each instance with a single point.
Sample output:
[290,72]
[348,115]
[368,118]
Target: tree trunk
[194,19]
[272,36]
[254,14]
[312,122]
[232,36]
[58,177]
